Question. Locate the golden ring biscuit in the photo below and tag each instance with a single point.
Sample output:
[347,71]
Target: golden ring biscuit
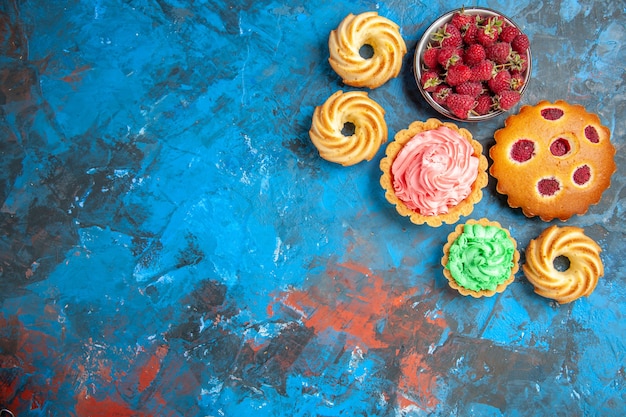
[353,108]
[357,31]
[585,265]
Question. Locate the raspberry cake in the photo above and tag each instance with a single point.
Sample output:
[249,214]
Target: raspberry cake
[553,160]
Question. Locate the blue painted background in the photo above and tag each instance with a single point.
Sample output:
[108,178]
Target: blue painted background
[172,245]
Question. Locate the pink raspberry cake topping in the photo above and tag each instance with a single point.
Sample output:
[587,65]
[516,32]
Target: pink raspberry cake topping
[548,187]
[592,134]
[523,150]
[551,113]
[560,147]
[582,175]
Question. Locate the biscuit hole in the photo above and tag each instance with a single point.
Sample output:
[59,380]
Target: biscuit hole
[366,51]
[561,263]
[348,129]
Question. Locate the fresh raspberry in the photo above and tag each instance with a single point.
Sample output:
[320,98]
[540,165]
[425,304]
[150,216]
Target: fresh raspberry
[483,104]
[517,80]
[448,35]
[507,99]
[509,32]
[471,66]
[469,35]
[488,33]
[460,105]
[430,57]
[462,20]
[496,22]
[485,37]
[482,71]
[449,56]
[430,80]
[469,88]
[500,82]
[474,54]
[499,52]
[520,44]
[441,93]
[458,74]
[454,37]
[517,62]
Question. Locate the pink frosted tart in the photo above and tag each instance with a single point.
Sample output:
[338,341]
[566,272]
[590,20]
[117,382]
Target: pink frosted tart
[433,172]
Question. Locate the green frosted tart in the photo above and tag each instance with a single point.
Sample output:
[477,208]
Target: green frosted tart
[480,258]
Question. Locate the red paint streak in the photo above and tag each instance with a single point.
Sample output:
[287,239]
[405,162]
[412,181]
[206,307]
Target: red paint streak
[9,382]
[417,383]
[104,371]
[404,403]
[36,398]
[77,74]
[159,399]
[88,406]
[30,371]
[149,371]
[178,378]
[256,347]
[351,301]
[436,320]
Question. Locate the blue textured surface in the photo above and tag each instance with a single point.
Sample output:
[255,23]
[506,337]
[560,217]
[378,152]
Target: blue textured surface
[171,244]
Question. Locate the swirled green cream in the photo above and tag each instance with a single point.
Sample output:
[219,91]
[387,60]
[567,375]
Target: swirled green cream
[481,258]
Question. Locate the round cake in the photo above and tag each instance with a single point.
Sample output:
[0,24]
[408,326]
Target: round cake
[356,32]
[434,172]
[480,258]
[553,160]
[576,280]
[348,128]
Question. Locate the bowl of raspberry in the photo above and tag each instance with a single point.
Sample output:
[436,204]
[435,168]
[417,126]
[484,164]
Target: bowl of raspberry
[472,64]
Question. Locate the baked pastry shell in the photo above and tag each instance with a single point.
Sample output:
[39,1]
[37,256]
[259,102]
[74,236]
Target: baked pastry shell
[465,207]
[483,293]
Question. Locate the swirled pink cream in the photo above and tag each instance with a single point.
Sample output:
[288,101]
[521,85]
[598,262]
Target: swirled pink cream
[434,171]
